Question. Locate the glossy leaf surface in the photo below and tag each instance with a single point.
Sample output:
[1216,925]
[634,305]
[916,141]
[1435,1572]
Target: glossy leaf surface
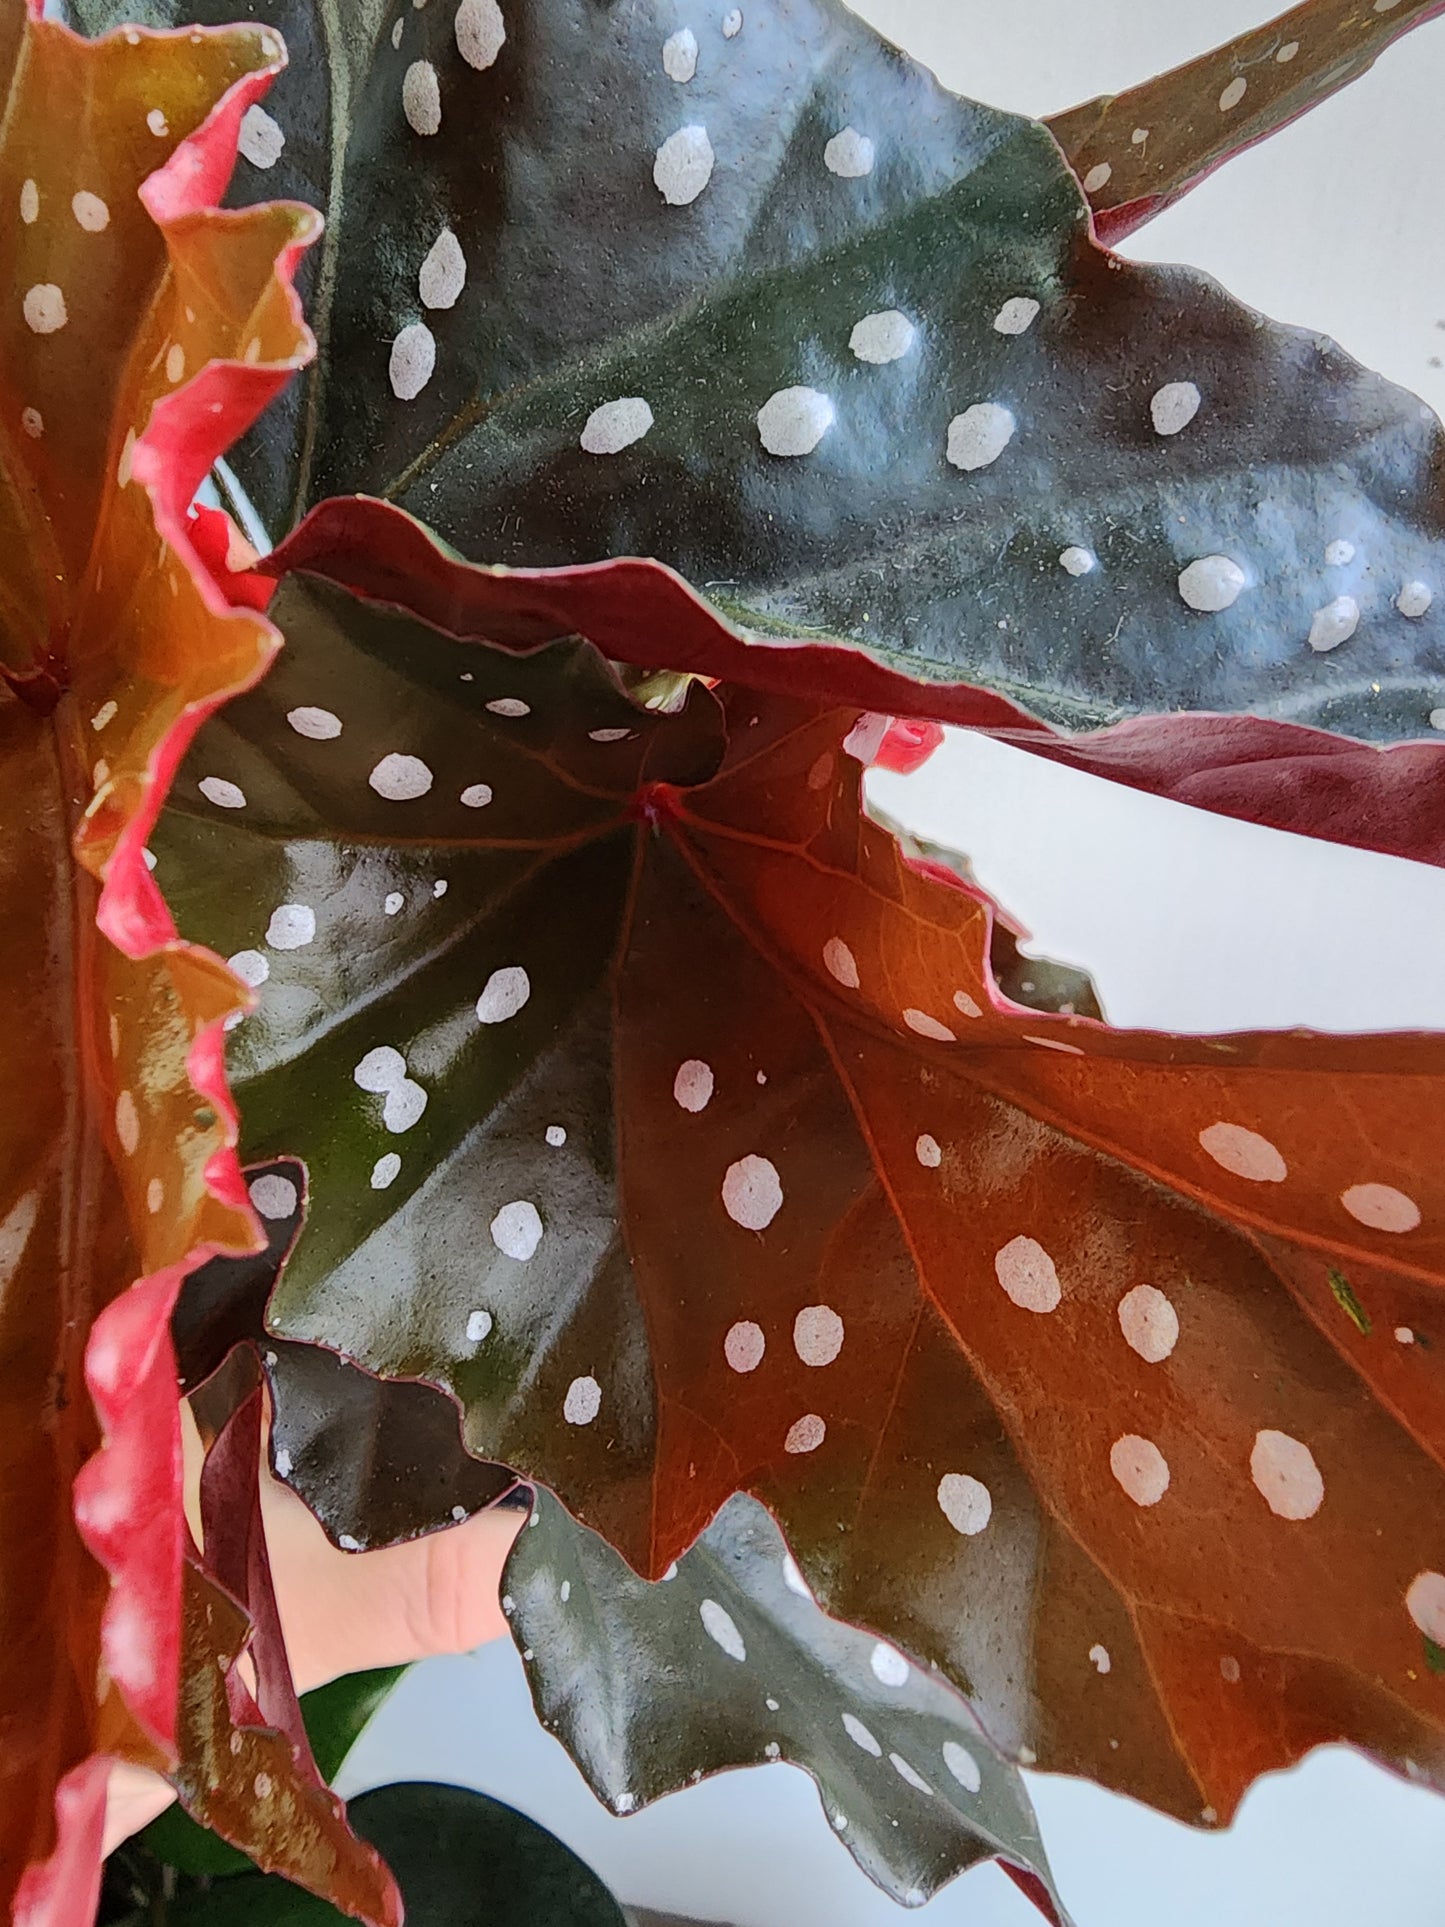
[1138,151]
[657,1109]
[377,1462]
[143,330]
[774,308]
[731,1663]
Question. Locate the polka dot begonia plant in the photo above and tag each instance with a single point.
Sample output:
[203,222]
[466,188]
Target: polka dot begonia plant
[623,1109]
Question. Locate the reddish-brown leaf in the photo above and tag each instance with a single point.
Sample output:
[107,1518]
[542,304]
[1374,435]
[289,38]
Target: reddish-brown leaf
[144,330]
[743,1174]
[1138,152]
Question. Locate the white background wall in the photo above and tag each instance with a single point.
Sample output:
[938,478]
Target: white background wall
[1187,922]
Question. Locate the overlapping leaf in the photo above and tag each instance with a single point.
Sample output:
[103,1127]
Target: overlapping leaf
[749,293]
[656,1108]
[731,1663]
[377,1462]
[1138,152]
[143,330]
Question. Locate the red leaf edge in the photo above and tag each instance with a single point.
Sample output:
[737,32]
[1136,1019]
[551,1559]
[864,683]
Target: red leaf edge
[128,1497]
[1280,775]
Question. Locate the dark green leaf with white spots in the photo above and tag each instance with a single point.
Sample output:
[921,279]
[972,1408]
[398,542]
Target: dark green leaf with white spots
[685,1138]
[377,1461]
[730,1662]
[587,265]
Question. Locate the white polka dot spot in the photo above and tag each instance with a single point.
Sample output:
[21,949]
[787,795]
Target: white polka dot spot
[292,926]
[1233,94]
[479,1325]
[752,1192]
[509,706]
[840,963]
[1140,1467]
[175,363]
[882,337]
[909,1774]
[965,1004]
[721,1629]
[443,274]
[616,425]
[1027,1274]
[225,796]
[1211,584]
[805,1434]
[849,155]
[679,55]
[480,31]
[794,1580]
[1339,554]
[385,1171]
[29,203]
[1017,315]
[1229,1670]
[928,1151]
[1404,1335]
[962,1765]
[794,421]
[888,1665]
[273,1196]
[90,212]
[860,1736]
[394,903]
[261,138]
[1244,1153]
[381,1070]
[1425,1603]
[817,1335]
[317,725]
[683,166]
[980,435]
[127,1123]
[693,1086]
[965,1502]
[1099,1659]
[556,1135]
[400,779]
[1174,406]
[732,24]
[1381,1207]
[403,1106]
[157,123]
[1287,52]
[1076,561]
[609,735]
[44,308]
[744,1346]
[583,1401]
[251,967]
[922,1025]
[33,422]
[1098,177]
[1285,1473]
[517,1230]
[421,97]
[413,361]
[503,995]
[476,796]
[1414,600]
[1335,623]
[1149,1323]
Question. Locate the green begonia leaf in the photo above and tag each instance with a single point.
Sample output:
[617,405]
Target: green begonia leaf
[730,1662]
[753,295]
